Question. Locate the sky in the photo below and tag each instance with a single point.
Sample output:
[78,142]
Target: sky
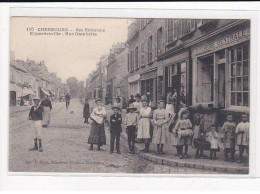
[66,55]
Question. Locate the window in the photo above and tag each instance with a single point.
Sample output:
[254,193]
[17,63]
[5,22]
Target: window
[183,85]
[136,58]
[187,27]
[239,75]
[159,41]
[142,55]
[150,53]
[170,25]
[205,91]
[169,76]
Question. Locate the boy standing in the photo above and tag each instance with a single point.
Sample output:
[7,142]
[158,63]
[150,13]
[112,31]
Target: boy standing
[36,116]
[115,129]
[228,129]
[242,135]
[131,122]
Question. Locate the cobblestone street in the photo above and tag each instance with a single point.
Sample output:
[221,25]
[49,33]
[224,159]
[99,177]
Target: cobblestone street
[66,148]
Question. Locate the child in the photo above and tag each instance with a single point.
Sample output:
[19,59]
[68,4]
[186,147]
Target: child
[131,122]
[183,133]
[36,116]
[115,129]
[228,130]
[161,132]
[201,144]
[213,139]
[242,136]
[144,124]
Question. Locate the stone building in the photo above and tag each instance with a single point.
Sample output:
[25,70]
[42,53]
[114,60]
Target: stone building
[203,61]
[116,72]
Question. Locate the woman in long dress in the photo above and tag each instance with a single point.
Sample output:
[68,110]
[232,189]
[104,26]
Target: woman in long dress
[86,111]
[97,133]
[144,123]
[160,131]
[46,115]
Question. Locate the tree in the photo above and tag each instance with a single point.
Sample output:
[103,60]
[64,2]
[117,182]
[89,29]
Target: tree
[74,86]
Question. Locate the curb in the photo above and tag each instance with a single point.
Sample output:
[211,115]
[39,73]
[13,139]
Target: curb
[173,163]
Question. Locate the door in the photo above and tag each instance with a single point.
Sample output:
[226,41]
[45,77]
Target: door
[221,85]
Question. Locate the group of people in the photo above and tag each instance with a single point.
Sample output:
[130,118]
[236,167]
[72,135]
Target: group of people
[40,114]
[163,125]
[159,126]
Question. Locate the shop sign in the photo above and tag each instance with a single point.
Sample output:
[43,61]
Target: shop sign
[149,75]
[223,41]
[134,78]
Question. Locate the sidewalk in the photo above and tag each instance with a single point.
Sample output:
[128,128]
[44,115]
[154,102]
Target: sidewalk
[170,159]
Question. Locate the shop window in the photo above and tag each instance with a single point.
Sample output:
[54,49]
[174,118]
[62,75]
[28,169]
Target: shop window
[150,53]
[205,80]
[239,75]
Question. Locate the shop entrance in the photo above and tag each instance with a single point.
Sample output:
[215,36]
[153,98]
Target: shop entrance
[221,85]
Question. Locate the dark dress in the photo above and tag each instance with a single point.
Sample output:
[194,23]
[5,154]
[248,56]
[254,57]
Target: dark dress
[86,113]
[97,133]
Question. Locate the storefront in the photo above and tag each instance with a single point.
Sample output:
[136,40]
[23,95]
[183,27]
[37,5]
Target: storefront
[177,78]
[134,84]
[149,84]
[221,66]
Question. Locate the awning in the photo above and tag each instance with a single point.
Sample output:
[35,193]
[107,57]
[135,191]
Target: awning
[15,88]
[45,92]
[27,91]
[52,92]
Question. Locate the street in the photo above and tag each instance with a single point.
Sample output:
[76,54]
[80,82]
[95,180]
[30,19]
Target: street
[66,148]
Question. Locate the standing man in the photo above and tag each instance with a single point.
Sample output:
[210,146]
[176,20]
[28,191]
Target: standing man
[131,100]
[115,129]
[67,98]
[46,115]
[36,116]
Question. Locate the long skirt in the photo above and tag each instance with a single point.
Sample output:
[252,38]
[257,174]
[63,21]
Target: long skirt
[97,134]
[46,115]
[160,134]
[143,131]
[170,108]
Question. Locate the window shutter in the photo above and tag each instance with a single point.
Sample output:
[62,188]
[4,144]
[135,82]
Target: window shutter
[153,46]
[146,51]
[166,31]
[128,63]
[163,43]
[193,25]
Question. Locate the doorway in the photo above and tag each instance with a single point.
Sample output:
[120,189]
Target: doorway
[221,85]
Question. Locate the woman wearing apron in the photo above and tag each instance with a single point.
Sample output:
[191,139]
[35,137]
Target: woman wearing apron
[97,134]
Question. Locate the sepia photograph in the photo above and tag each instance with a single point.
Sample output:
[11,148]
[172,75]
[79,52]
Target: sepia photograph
[129,96]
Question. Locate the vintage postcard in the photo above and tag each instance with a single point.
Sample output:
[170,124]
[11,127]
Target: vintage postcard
[129,95]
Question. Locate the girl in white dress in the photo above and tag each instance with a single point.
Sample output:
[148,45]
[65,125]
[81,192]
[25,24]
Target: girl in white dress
[213,139]
[144,123]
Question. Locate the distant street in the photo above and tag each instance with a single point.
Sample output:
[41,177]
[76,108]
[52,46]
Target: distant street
[66,148]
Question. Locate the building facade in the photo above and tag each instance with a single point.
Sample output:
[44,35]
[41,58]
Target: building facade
[203,61]
[116,72]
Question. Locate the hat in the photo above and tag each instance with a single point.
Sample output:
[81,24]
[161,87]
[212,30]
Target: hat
[143,98]
[115,107]
[36,98]
[138,95]
[98,99]
[131,106]
[159,101]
